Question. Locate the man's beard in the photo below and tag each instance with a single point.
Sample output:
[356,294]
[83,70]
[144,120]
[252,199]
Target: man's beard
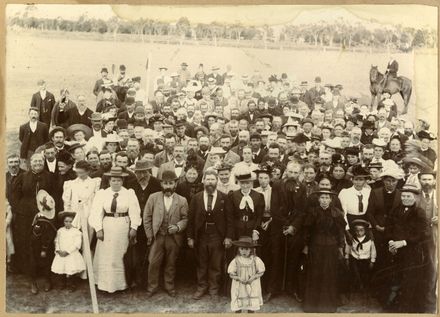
[408,133]
[204,147]
[427,187]
[167,190]
[106,166]
[210,188]
[14,169]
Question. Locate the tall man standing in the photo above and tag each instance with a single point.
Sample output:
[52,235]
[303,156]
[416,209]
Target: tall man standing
[32,135]
[44,101]
[144,185]
[210,230]
[165,219]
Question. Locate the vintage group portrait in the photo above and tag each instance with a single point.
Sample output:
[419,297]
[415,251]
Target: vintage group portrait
[221,158]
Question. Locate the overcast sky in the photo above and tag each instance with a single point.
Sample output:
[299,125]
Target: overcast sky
[408,15]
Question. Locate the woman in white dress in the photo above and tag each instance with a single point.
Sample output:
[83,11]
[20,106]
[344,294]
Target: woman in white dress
[78,195]
[115,216]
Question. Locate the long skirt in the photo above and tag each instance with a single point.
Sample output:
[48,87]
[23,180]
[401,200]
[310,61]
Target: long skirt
[108,264]
[321,294]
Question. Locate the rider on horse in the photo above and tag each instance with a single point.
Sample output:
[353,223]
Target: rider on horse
[392,68]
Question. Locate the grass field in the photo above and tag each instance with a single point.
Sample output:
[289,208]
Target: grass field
[75,64]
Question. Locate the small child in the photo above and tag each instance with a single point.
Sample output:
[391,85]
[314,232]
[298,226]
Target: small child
[68,261]
[245,270]
[361,256]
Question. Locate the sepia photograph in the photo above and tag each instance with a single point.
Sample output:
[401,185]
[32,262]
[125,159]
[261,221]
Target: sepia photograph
[221,158]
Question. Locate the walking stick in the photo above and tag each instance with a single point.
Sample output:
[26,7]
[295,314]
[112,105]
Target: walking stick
[283,287]
[147,81]
[88,258]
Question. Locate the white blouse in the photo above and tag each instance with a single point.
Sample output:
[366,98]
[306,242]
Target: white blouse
[125,202]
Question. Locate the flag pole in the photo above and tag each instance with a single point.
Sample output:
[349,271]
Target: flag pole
[147,81]
[88,257]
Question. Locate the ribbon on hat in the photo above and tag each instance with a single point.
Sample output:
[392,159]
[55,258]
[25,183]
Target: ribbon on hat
[247,201]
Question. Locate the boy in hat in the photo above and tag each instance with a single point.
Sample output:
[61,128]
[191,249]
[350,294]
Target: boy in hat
[360,256]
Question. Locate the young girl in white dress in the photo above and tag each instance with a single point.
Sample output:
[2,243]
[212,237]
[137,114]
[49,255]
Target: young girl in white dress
[245,270]
[68,261]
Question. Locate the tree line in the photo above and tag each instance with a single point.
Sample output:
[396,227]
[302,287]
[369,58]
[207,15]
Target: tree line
[338,33]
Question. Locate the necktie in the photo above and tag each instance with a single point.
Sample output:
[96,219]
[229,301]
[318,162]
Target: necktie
[427,196]
[210,199]
[361,204]
[113,206]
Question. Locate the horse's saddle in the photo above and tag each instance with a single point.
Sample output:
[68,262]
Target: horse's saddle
[387,80]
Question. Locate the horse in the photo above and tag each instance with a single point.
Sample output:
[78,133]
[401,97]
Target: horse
[401,85]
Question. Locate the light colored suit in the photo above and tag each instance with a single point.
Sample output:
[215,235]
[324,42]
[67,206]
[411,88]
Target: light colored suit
[164,245]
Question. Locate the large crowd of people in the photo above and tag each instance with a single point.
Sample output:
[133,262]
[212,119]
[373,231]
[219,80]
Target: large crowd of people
[243,178]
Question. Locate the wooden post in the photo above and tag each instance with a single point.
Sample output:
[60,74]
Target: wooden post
[147,80]
[88,257]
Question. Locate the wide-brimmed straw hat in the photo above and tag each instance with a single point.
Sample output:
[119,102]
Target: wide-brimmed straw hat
[245,242]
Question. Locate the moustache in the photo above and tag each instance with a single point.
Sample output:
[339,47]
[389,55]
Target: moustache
[168,190]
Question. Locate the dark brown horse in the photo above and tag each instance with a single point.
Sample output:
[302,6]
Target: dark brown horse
[401,85]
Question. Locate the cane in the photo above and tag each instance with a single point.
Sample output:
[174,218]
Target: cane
[283,287]
[88,258]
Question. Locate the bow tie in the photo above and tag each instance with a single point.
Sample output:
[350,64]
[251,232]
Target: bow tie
[178,165]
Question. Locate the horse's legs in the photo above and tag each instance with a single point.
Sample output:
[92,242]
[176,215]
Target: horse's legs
[406,95]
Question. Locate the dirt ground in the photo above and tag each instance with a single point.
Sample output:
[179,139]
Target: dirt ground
[20,300]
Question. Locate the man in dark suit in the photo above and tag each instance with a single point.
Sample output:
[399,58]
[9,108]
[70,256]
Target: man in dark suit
[314,93]
[392,68]
[50,160]
[428,203]
[44,101]
[250,115]
[144,185]
[381,201]
[275,217]
[295,195]
[32,135]
[258,153]
[210,230]
[128,113]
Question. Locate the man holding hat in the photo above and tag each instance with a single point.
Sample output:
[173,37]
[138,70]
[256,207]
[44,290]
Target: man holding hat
[381,201]
[210,231]
[165,220]
[405,231]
